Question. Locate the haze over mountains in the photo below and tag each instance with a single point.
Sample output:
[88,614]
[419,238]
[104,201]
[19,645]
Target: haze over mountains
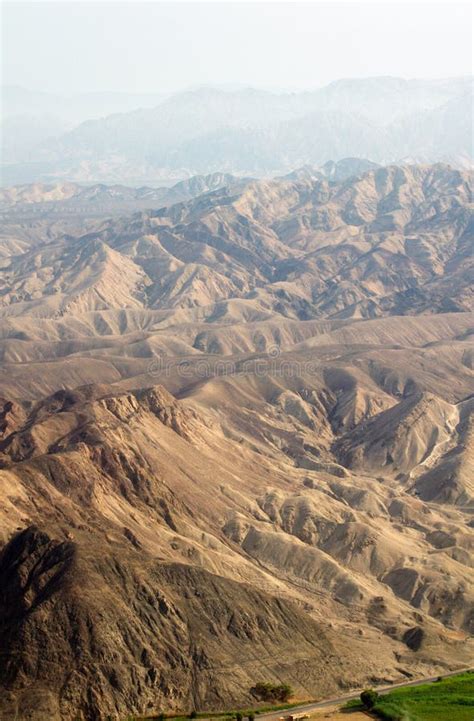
[247,132]
[236,437]
[29,118]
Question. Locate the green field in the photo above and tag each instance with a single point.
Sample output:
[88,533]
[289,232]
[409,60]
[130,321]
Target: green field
[451,699]
[222,715]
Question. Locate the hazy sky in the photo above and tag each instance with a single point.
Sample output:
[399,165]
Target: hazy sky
[162,46]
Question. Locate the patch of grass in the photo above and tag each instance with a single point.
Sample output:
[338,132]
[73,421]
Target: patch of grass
[450,699]
[353,705]
[225,715]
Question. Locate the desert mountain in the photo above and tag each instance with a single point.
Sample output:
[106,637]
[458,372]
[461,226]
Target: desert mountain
[235,433]
[170,610]
[255,132]
[389,241]
[36,200]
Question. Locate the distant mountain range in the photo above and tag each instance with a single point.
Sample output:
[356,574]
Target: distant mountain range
[62,200]
[65,199]
[247,132]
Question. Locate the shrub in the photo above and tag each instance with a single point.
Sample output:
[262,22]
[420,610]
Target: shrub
[238,716]
[272,692]
[251,716]
[193,714]
[369,698]
[284,692]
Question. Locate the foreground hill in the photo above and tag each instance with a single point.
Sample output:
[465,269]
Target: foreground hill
[155,595]
[236,443]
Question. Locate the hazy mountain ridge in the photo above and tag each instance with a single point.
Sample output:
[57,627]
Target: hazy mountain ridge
[255,132]
[30,118]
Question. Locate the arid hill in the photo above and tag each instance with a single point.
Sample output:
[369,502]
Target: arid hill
[207,570]
[65,200]
[392,241]
[236,443]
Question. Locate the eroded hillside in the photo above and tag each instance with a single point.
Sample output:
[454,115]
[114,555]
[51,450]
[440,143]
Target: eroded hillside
[236,441]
